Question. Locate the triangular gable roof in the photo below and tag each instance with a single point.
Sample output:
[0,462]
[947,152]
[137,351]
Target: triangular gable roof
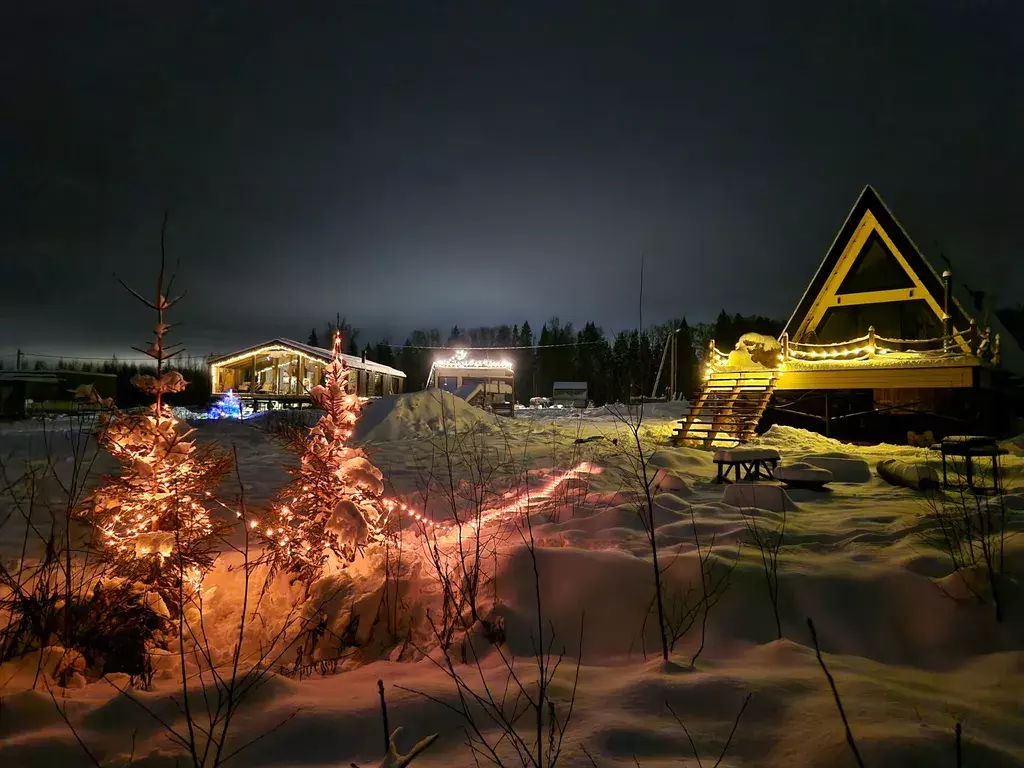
[870,219]
[317,352]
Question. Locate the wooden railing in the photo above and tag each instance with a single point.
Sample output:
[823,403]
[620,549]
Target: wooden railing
[981,344]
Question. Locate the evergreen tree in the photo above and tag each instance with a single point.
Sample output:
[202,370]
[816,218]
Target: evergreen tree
[686,361]
[544,374]
[620,367]
[383,353]
[335,503]
[724,334]
[525,364]
[154,517]
[313,340]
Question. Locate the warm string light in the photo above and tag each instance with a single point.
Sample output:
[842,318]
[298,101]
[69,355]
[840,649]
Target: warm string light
[521,503]
[461,359]
[320,357]
[839,352]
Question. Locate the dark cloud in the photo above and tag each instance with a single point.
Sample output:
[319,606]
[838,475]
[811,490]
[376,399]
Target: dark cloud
[423,164]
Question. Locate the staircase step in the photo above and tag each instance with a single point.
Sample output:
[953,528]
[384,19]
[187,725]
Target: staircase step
[730,403]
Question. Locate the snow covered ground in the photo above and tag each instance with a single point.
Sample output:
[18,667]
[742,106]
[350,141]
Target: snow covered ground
[908,659]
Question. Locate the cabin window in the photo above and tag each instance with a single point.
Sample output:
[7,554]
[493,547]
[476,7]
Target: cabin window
[894,319]
[875,269]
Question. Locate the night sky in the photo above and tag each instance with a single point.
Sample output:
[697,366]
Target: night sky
[422,164]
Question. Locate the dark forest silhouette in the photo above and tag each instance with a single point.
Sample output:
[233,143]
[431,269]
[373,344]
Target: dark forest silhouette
[613,365]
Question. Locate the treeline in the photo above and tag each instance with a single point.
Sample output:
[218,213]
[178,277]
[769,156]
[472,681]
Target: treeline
[615,366]
[194,369]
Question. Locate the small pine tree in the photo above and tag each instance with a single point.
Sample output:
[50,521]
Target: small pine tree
[153,518]
[314,341]
[334,504]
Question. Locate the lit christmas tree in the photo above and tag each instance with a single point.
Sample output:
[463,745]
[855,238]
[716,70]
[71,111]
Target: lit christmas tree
[227,407]
[335,503]
[154,517]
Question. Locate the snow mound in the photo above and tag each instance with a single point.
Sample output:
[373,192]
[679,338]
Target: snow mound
[801,441]
[186,414]
[801,473]
[844,469]
[758,496]
[666,480]
[762,350]
[420,414]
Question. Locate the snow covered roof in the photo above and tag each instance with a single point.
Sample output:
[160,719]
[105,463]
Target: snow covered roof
[326,355]
[28,376]
[569,385]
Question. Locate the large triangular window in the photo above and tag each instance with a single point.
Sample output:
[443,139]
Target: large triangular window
[875,269]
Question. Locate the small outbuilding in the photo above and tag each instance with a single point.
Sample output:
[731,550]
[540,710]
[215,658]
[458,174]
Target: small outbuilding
[569,394]
[484,381]
[23,393]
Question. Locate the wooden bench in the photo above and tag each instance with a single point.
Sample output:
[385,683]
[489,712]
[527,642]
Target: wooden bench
[970,447]
[746,463]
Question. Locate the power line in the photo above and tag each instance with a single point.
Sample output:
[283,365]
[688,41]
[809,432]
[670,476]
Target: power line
[110,359]
[484,349]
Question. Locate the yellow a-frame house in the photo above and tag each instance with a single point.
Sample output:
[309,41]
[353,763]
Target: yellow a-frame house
[876,316]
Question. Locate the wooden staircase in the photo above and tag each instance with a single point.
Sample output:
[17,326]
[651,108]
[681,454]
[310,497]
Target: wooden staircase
[731,402]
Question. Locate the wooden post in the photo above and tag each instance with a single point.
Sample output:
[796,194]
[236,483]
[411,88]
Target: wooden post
[827,415]
[785,346]
[871,341]
[947,305]
[252,384]
[17,364]
[972,337]
[661,366]
[995,350]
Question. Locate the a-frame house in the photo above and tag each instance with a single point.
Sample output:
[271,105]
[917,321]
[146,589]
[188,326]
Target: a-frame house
[876,319]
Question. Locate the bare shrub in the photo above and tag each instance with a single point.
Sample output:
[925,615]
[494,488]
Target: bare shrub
[769,539]
[507,714]
[728,741]
[972,529]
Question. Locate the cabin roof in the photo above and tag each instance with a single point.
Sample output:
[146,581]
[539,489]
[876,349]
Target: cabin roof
[326,355]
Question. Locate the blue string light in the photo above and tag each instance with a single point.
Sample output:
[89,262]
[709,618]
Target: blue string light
[228,407]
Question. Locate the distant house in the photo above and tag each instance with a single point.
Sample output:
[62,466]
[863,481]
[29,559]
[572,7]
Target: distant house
[486,382]
[23,393]
[281,372]
[569,394]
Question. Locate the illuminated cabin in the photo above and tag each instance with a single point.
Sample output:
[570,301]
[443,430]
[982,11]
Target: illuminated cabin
[482,381]
[281,373]
[878,334]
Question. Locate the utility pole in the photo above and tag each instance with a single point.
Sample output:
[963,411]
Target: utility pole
[17,365]
[672,370]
